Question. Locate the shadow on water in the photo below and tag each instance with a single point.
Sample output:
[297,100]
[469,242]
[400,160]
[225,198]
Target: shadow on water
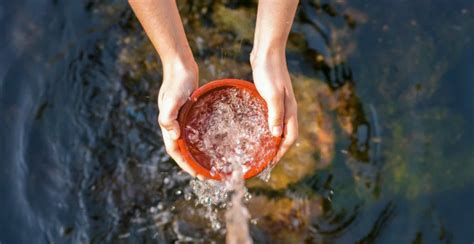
[384,153]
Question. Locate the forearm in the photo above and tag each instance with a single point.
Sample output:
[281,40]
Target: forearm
[274,20]
[162,24]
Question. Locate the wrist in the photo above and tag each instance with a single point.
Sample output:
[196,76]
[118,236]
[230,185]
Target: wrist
[179,66]
[268,55]
[178,55]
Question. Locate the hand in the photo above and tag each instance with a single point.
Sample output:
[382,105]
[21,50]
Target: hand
[271,77]
[180,79]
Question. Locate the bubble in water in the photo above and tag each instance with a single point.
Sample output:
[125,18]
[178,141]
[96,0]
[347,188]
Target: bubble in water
[187,195]
[228,134]
[209,192]
[226,124]
[266,173]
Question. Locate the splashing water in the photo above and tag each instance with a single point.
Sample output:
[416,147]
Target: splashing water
[228,134]
[228,123]
[215,194]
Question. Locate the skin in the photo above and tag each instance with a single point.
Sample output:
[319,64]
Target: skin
[162,24]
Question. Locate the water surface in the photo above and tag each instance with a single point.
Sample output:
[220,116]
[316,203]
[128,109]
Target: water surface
[385,99]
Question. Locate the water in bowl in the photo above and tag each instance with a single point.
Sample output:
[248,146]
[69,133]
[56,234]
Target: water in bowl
[228,124]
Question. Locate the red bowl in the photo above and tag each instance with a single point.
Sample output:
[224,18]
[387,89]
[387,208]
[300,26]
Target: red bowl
[183,119]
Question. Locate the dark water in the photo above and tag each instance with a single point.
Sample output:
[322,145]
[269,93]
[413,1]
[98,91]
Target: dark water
[385,92]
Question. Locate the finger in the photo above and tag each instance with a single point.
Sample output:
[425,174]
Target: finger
[291,131]
[168,118]
[275,103]
[201,177]
[289,138]
[172,149]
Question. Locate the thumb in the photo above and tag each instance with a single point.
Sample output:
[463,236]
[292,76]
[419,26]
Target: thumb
[168,118]
[276,114]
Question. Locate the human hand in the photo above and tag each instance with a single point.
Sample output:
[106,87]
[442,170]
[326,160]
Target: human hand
[271,77]
[162,24]
[180,79]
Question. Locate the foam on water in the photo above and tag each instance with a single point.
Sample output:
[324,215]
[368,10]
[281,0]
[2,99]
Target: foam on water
[229,123]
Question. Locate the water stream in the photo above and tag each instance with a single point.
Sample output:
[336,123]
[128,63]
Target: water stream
[228,134]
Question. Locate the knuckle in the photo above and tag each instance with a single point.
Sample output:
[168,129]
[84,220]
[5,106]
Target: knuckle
[161,121]
[288,143]
[291,139]
[164,120]
[169,104]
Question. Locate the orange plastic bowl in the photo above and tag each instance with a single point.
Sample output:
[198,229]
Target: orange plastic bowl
[190,155]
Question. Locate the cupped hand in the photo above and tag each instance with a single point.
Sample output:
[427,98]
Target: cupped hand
[271,77]
[180,79]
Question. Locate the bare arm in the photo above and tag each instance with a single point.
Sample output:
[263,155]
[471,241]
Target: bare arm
[274,20]
[270,72]
[162,24]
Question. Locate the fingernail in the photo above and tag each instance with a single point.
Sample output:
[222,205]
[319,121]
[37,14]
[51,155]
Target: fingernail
[276,130]
[173,134]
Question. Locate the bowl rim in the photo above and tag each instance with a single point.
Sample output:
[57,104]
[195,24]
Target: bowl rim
[188,157]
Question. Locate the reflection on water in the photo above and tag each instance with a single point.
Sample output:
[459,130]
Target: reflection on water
[384,102]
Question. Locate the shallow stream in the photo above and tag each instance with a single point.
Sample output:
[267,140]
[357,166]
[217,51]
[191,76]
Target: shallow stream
[385,97]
